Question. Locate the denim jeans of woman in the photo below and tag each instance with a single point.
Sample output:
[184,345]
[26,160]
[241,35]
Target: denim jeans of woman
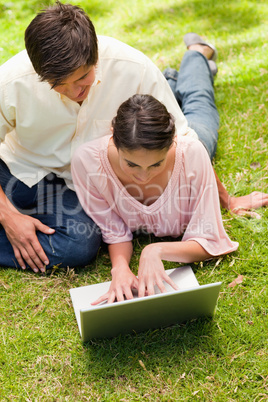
[193,88]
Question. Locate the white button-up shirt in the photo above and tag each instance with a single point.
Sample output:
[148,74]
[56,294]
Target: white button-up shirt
[40,129]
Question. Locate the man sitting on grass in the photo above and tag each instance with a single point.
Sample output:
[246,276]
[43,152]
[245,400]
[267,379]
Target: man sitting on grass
[64,90]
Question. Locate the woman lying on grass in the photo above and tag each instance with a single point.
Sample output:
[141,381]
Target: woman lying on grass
[144,177]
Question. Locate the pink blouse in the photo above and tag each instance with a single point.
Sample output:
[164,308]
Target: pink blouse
[189,204]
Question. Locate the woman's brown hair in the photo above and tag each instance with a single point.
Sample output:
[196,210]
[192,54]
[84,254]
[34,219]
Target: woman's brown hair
[143,122]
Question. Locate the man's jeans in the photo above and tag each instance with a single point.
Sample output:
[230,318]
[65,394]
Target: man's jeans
[76,239]
[192,86]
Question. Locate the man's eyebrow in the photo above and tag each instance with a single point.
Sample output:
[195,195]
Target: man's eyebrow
[62,82]
[83,76]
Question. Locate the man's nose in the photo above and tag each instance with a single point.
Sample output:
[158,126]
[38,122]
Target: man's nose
[75,89]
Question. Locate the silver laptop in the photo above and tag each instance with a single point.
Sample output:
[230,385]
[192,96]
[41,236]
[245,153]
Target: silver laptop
[150,312]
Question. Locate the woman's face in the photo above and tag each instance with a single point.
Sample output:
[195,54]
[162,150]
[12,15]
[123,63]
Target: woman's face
[142,165]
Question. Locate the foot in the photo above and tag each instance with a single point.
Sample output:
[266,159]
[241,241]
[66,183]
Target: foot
[195,42]
[213,67]
[204,49]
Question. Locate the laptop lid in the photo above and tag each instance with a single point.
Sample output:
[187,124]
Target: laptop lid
[139,314]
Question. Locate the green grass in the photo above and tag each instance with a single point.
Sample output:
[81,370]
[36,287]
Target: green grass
[224,359]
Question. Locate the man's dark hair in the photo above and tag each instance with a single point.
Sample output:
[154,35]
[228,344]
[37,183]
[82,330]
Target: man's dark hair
[59,40]
[143,122]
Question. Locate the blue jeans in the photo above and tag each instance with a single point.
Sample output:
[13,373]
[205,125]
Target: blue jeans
[193,88]
[76,239]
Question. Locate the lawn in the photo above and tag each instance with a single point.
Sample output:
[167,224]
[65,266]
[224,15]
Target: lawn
[42,357]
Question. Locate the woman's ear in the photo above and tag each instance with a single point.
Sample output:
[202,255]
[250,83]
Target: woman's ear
[112,129]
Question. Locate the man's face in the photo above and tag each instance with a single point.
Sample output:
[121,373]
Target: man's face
[77,86]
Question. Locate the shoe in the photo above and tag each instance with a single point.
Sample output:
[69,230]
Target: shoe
[192,38]
[213,67]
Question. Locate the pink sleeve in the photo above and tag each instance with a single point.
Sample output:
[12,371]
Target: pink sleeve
[93,190]
[205,224]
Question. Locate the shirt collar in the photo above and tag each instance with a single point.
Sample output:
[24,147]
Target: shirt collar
[98,73]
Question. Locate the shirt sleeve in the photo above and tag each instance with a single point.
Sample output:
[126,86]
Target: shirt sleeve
[205,225]
[95,195]
[155,84]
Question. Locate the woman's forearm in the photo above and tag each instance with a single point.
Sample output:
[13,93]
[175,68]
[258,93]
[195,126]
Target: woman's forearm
[120,254]
[123,280]
[185,252]
[223,193]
